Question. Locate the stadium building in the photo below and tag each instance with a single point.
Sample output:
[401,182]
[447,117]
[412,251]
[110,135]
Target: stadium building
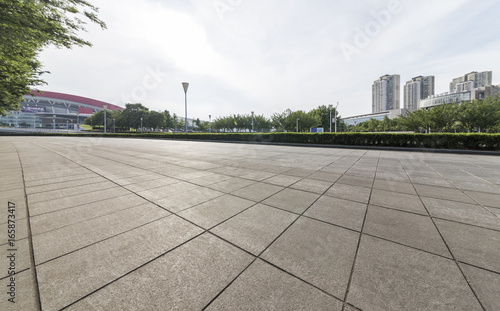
[50,110]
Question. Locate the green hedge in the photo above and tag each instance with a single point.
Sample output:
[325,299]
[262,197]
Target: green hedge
[429,141]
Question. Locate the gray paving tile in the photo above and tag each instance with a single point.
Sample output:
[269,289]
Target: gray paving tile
[213,178]
[187,278]
[231,184]
[20,210]
[486,199]
[443,193]
[348,192]
[394,186]
[263,287]
[170,190]
[312,185]
[325,176]
[25,297]
[396,200]
[405,228]
[292,200]
[20,226]
[318,253]
[257,192]
[255,228]
[76,236]
[472,245]
[400,177]
[60,179]
[356,181]
[423,282]
[299,172]
[215,211]
[76,200]
[477,185]
[339,212]
[71,277]
[495,211]
[462,212]
[22,256]
[369,173]
[67,217]
[486,284]
[68,192]
[181,201]
[282,180]
[151,184]
[439,182]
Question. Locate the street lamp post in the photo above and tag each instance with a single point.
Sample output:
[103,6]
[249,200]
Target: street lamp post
[54,123]
[185,85]
[330,107]
[336,117]
[141,125]
[252,120]
[17,122]
[78,121]
[114,130]
[210,123]
[298,125]
[34,123]
[105,107]
[67,125]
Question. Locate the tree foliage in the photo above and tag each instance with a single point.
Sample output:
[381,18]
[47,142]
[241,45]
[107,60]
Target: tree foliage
[28,26]
[473,116]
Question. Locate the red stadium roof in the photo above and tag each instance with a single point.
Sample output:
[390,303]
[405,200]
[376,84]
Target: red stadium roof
[77,99]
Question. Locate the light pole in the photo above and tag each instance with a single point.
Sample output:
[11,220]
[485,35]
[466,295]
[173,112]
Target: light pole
[105,107]
[252,120]
[114,130]
[78,120]
[141,125]
[185,85]
[34,123]
[210,123]
[336,117]
[298,125]
[330,107]
[54,122]
[67,125]
[17,122]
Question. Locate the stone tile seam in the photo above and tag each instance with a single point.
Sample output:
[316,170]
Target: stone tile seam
[353,268]
[36,288]
[272,242]
[91,219]
[435,217]
[454,257]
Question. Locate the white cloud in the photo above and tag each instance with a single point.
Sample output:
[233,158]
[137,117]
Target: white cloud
[268,56]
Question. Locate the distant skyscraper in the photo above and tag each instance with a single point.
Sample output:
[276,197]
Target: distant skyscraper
[386,93]
[471,81]
[417,89]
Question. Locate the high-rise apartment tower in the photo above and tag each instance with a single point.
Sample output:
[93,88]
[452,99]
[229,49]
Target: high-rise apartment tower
[386,93]
[471,81]
[417,89]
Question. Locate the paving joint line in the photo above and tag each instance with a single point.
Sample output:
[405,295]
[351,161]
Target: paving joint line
[359,240]
[34,274]
[454,257]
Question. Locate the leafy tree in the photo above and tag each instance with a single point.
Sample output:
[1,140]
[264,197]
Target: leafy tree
[155,120]
[287,121]
[133,113]
[28,26]
[169,121]
[323,112]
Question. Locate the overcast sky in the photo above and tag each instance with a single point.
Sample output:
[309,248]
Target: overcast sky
[266,56]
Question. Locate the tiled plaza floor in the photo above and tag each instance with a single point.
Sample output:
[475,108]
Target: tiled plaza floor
[130,224]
